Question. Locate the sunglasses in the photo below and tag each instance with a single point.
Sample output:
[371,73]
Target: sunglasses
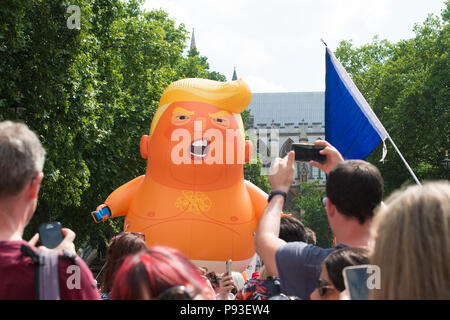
[323,286]
[137,234]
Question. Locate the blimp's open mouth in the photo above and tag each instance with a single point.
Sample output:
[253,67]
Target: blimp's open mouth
[199,148]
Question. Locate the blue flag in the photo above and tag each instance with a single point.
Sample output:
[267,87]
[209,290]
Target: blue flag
[350,123]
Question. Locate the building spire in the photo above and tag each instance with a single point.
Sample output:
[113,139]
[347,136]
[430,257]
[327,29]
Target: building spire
[234,75]
[193,46]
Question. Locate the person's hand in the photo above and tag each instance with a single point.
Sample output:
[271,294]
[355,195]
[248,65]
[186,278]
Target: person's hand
[226,284]
[282,172]
[67,243]
[333,156]
[33,241]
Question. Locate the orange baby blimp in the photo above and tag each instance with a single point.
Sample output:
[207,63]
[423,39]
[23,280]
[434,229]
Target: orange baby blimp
[193,195]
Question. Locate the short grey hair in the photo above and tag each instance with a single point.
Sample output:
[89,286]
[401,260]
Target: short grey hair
[21,157]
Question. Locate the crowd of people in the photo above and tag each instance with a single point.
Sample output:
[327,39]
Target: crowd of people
[407,237]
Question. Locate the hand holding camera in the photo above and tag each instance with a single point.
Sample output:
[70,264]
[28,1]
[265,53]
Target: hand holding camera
[332,156]
[54,237]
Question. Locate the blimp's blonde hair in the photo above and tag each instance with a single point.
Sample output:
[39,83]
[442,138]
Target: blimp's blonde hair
[233,96]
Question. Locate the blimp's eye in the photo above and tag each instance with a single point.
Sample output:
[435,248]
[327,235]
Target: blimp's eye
[180,119]
[221,122]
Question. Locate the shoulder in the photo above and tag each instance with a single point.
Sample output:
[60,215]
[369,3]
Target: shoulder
[292,250]
[295,256]
[16,271]
[302,250]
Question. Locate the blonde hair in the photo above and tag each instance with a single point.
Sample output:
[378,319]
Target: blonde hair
[233,96]
[412,244]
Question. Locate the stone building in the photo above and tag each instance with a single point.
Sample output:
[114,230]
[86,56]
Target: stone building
[280,119]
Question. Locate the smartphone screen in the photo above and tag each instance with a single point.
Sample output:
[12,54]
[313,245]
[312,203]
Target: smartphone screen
[50,234]
[355,278]
[307,152]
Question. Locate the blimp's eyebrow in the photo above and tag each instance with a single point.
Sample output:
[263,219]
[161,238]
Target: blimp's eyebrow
[183,111]
[219,114]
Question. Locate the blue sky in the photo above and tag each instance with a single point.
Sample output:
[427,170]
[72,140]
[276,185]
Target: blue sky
[275,45]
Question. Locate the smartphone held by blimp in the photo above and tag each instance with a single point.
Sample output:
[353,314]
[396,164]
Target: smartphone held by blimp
[50,234]
[307,152]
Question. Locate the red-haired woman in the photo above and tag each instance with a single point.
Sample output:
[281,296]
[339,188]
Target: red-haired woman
[161,273]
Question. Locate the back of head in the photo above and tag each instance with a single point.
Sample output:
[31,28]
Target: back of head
[336,261]
[21,156]
[412,243]
[153,273]
[292,229]
[355,187]
[119,248]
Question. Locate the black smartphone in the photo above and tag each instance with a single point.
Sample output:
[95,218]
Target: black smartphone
[50,234]
[355,280]
[307,152]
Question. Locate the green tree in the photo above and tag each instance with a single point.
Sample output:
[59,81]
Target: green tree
[406,84]
[197,66]
[313,213]
[51,66]
[89,94]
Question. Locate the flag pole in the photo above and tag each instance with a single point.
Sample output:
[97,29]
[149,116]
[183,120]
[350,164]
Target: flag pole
[406,163]
[390,139]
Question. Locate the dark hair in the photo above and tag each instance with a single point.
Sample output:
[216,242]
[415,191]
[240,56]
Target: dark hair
[336,261]
[120,246]
[213,277]
[310,236]
[292,229]
[355,187]
[153,271]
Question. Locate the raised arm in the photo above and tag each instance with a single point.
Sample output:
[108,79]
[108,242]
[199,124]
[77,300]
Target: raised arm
[118,201]
[267,239]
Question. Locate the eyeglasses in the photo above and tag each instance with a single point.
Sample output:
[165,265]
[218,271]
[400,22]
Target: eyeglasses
[322,287]
[137,234]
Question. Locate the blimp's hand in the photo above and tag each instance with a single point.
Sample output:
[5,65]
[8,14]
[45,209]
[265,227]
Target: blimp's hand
[102,213]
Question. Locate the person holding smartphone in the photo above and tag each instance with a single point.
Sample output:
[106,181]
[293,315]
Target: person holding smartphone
[354,190]
[229,285]
[21,164]
[331,281]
